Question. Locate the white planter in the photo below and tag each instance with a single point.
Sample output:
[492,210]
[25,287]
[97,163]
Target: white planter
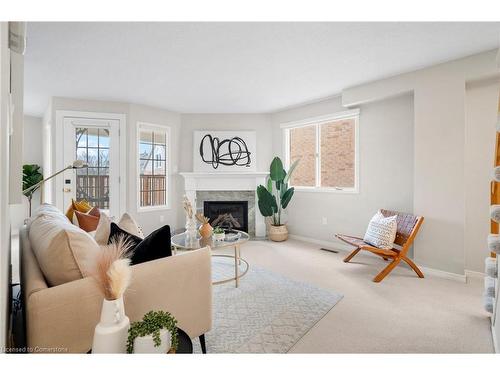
[219,236]
[111,333]
[146,345]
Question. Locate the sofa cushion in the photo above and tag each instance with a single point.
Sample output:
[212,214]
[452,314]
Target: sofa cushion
[80,206]
[62,249]
[102,231]
[88,221]
[155,246]
[126,223]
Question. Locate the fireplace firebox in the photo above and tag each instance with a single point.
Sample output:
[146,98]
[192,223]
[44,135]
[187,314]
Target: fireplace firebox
[227,214]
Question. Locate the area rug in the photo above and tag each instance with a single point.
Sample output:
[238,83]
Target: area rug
[268,313]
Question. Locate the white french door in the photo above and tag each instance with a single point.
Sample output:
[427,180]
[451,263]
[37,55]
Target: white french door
[96,142]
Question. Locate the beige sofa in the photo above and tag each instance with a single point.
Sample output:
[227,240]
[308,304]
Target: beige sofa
[62,318]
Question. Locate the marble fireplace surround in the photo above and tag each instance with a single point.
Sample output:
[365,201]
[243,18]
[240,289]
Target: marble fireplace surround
[228,186]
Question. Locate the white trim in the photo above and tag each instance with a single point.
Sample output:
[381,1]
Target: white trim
[348,248]
[443,274]
[168,131]
[329,244]
[59,151]
[318,121]
[474,274]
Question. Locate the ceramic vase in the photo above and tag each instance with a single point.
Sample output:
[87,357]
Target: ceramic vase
[111,333]
[206,230]
[146,345]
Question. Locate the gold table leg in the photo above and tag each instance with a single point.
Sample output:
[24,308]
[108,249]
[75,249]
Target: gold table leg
[236,263]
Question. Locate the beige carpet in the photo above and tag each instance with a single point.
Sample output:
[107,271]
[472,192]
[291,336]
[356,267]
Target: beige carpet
[403,314]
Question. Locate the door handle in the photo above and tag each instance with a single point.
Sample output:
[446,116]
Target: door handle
[67,190]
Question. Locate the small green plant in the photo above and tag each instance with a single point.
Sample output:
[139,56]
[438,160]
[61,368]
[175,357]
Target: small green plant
[151,324]
[218,230]
[31,177]
[275,198]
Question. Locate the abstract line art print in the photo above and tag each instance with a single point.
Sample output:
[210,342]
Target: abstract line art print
[224,150]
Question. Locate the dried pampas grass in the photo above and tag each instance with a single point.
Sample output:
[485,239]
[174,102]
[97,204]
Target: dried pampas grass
[112,268]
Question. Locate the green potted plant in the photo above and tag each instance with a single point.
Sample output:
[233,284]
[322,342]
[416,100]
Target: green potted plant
[274,198]
[219,234]
[31,177]
[155,333]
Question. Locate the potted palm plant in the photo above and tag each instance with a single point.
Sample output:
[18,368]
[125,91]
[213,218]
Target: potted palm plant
[275,197]
[31,177]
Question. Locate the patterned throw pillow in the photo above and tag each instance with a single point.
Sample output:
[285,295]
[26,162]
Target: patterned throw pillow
[381,231]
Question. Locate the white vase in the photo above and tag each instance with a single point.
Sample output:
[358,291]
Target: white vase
[191,230]
[146,345]
[111,333]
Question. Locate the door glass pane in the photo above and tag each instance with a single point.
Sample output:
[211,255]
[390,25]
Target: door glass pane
[92,183]
[92,137]
[303,146]
[338,154]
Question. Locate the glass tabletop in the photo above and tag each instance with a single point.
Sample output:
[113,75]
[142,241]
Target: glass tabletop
[181,241]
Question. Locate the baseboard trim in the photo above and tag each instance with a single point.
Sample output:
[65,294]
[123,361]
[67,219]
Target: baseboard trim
[347,248]
[474,274]
[444,274]
[328,244]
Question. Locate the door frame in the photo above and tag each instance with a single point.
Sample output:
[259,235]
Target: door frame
[122,153]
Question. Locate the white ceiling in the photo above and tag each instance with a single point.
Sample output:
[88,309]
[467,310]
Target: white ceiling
[232,67]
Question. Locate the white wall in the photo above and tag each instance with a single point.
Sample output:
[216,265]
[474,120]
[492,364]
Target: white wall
[481,116]
[386,169]
[439,146]
[32,153]
[4,183]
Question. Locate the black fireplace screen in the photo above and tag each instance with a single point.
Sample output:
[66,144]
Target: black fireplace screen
[227,214]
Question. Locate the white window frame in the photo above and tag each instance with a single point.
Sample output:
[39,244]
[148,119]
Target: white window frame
[318,121]
[159,128]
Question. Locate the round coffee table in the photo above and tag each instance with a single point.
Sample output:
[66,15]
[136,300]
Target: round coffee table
[181,242]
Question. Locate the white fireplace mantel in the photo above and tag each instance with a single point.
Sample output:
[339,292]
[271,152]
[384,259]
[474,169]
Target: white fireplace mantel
[226,181]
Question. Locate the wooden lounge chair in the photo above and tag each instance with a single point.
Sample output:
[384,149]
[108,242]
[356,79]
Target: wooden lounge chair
[408,226]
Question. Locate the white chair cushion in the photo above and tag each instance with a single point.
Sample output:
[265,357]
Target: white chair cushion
[381,231]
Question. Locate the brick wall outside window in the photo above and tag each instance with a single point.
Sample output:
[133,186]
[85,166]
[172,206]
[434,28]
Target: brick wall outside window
[337,154]
[303,146]
[337,147]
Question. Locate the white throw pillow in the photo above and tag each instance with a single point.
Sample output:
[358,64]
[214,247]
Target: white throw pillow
[127,223]
[381,231]
[63,250]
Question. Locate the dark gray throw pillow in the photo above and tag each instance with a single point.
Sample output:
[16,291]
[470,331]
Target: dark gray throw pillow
[155,246]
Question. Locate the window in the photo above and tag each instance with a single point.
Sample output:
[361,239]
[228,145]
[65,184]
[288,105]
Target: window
[92,183]
[153,147]
[327,149]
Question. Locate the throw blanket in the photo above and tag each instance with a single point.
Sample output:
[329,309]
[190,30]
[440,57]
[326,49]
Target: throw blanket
[490,267]
[488,302]
[494,243]
[490,286]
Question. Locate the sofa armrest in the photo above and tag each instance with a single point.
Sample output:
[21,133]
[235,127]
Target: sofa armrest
[63,318]
[185,283]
